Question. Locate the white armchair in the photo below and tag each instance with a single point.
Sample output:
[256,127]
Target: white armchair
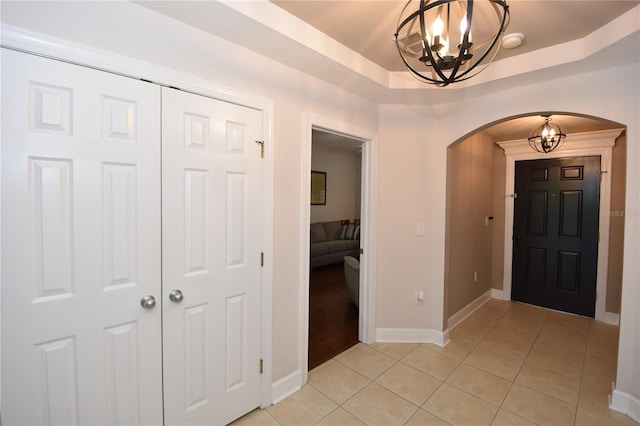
[352,276]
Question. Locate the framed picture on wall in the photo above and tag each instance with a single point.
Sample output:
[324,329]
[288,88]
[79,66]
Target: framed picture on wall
[318,188]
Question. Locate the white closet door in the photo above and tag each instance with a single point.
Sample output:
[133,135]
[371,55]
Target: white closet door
[211,193]
[80,245]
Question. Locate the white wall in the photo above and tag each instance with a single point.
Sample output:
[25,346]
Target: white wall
[411,189]
[130,30]
[412,148]
[343,183]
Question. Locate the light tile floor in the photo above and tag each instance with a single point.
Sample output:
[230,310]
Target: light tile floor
[506,364]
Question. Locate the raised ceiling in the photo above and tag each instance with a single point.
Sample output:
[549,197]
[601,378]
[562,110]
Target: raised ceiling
[368,27]
[350,45]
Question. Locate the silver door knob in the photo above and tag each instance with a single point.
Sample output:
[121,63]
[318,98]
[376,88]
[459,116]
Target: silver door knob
[176,296]
[148,302]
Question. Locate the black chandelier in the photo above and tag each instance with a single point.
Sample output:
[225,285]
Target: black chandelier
[446,41]
[546,138]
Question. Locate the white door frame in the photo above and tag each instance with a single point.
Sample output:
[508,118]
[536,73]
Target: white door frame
[366,322]
[50,47]
[599,143]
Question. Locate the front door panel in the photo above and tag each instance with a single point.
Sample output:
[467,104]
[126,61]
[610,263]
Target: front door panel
[556,233]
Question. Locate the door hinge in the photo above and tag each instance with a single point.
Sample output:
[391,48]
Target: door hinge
[361,251]
[261,259]
[261,148]
[596,296]
[261,366]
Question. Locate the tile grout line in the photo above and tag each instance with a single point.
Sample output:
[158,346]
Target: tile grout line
[547,321]
[460,362]
[584,361]
[474,347]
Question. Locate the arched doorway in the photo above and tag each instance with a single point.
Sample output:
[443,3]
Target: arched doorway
[480,214]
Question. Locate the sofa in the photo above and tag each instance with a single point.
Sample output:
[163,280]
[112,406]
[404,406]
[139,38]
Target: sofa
[352,278]
[332,241]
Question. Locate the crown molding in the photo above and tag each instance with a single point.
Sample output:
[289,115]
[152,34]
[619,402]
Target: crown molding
[576,143]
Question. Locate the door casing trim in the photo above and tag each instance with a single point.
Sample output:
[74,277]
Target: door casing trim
[366,323]
[598,143]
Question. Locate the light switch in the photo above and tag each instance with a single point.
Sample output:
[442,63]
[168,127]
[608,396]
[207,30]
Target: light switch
[420,229]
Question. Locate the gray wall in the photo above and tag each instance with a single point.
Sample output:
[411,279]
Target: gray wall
[343,183]
[470,200]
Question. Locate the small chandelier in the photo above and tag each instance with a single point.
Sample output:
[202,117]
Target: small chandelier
[446,41]
[547,137]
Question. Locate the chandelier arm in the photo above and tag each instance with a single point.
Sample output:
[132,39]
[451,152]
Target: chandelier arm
[427,46]
[410,68]
[411,19]
[421,9]
[464,42]
[505,18]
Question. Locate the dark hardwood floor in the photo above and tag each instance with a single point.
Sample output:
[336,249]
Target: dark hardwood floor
[333,317]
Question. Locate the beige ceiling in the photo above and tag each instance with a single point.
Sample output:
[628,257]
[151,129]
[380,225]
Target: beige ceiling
[367,27]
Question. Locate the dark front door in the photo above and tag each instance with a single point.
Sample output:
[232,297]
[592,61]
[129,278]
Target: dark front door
[555,247]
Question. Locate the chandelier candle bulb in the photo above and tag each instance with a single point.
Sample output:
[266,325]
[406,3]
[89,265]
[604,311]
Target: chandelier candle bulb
[463,29]
[437,27]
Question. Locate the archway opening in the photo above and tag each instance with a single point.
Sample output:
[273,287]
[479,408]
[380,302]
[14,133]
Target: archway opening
[477,226]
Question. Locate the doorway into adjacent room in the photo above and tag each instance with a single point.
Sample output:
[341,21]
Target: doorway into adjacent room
[335,217]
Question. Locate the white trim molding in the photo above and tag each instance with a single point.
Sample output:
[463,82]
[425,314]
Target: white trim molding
[412,335]
[366,321]
[463,313]
[612,318]
[625,403]
[598,143]
[286,386]
[498,294]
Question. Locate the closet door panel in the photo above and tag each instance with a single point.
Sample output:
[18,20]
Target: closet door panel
[211,189]
[80,245]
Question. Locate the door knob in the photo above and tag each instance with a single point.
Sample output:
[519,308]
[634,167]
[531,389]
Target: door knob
[148,302]
[176,296]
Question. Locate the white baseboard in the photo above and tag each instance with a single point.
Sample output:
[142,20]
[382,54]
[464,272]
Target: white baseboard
[286,386]
[463,313]
[611,318]
[412,335]
[497,294]
[626,404]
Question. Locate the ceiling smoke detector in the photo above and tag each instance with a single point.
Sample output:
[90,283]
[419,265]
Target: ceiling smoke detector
[513,40]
